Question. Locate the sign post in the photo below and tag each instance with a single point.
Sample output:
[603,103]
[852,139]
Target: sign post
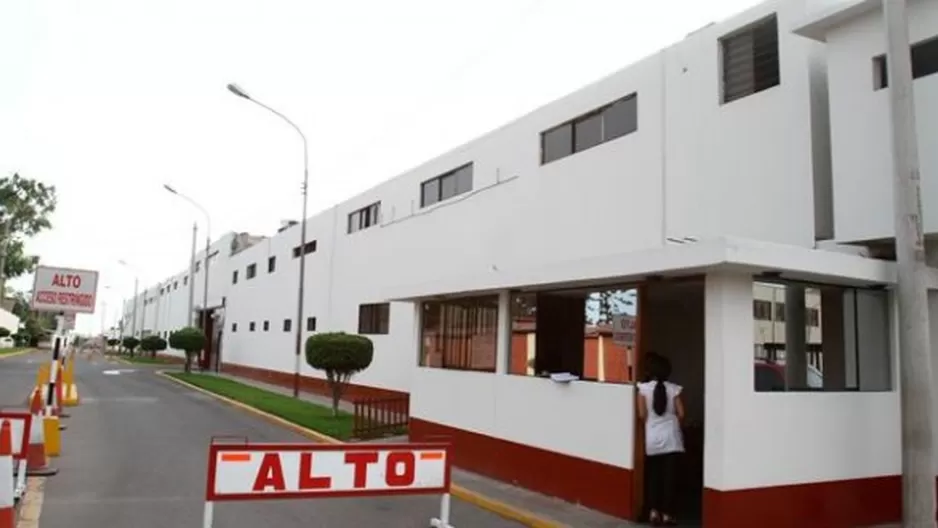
[268,471]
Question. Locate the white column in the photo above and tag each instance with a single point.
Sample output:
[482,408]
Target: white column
[728,365]
[931,259]
[503,345]
[796,360]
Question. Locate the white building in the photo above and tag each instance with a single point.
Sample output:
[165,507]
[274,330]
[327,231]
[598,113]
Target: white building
[739,161]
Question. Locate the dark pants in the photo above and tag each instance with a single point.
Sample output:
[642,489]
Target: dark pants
[661,471]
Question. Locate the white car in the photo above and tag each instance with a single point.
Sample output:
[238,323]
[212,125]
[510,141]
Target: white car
[7,342]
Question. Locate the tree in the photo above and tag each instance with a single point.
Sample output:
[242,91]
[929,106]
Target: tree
[153,344]
[340,356]
[130,343]
[113,342]
[4,332]
[29,202]
[190,340]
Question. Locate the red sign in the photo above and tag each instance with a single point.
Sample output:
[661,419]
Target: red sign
[284,471]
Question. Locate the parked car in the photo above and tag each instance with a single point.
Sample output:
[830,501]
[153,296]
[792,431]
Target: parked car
[771,376]
[7,342]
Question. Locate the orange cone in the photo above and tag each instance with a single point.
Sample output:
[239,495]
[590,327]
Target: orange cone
[37,464]
[7,501]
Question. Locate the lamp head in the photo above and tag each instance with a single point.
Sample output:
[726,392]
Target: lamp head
[170,189]
[235,89]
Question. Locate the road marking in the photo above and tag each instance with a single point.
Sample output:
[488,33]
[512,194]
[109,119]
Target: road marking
[117,372]
[31,508]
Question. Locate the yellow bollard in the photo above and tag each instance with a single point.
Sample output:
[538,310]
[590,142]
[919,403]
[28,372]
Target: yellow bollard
[53,437]
[42,375]
[69,389]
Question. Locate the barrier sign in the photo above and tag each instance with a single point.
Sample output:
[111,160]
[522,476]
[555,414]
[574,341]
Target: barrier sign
[239,472]
[623,330]
[21,423]
[64,290]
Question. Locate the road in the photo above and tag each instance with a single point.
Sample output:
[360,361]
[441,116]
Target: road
[134,455]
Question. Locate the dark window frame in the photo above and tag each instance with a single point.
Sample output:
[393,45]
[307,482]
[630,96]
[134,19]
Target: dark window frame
[569,129]
[921,52]
[266,326]
[750,60]
[251,271]
[311,324]
[271,264]
[374,318]
[234,277]
[311,247]
[363,218]
[252,326]
[287,325]
[438,195]
[458,323]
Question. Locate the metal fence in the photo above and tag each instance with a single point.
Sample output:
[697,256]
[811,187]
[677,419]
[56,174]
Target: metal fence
[376,417]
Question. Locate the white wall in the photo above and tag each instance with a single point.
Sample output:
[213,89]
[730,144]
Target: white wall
[773,439]
[582,419]
[861,139]
[9,321]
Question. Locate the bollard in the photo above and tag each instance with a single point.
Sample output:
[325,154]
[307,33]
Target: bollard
[37,462]
[7,501]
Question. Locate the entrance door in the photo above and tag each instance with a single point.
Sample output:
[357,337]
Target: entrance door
[671,324]
[208,328]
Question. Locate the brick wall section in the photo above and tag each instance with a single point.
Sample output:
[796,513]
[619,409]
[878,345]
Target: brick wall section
[307,384]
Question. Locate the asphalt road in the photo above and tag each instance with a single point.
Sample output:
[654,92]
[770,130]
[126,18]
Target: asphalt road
[134,456]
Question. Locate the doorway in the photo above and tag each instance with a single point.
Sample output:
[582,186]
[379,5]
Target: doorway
[207,324]
[671,324]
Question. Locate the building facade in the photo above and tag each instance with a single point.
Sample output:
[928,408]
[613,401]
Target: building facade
[724,195]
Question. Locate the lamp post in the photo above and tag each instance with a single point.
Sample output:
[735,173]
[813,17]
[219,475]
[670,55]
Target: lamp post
[203,318]
[133,323]
[235,89]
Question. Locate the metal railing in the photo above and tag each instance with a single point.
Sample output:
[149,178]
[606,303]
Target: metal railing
[377,417]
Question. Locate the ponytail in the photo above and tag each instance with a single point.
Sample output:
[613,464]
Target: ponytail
[660,400]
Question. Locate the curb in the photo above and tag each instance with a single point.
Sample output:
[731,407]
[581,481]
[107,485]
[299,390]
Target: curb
[20,353]
[500,508]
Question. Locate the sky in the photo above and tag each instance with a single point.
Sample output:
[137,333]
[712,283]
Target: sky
[110,99]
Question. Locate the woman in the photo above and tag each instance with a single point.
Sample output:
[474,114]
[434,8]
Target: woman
[661,408]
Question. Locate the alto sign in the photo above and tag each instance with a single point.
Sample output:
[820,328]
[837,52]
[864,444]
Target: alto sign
[64,290]
[246,471]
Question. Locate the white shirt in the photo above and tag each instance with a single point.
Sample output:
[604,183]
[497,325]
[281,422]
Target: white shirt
[662,433]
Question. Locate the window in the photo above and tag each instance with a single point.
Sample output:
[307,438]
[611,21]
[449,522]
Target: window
[446,186]
[310,324]
[829,338]
[266,325]
[251,326]
[364,217]
[251,271]
[571,331]
[460,334]
[762,310]
[185,280]
[287,325]
[234,277]
[596,127]
[234,327]
[750,60]
[198,265]
[310,248]
[175,285]
[373,318]
[271,264]
[924,63]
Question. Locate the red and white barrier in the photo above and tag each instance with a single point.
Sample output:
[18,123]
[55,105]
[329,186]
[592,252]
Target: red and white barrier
[21,425]
[241,472]
[7,488]
[37,462]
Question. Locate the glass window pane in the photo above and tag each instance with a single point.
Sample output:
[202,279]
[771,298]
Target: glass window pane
[430,193]
[588,132]
[447,186]
[464,179]
[620,119]
[557,143]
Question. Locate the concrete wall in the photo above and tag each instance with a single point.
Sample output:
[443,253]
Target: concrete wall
[861,141]
[9,321]
[773,439]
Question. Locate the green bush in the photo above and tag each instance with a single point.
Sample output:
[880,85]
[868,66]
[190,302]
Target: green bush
[4,332]
[152,344]
[340,356]
[130,343]
[113,342]
[190,340]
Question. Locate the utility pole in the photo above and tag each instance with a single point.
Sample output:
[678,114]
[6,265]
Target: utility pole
[918,461]
[191,318]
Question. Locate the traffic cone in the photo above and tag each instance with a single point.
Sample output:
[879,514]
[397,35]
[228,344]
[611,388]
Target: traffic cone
[37,464]
[7,500]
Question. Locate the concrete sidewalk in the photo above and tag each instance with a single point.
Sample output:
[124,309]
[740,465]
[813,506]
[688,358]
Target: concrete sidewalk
[550,509]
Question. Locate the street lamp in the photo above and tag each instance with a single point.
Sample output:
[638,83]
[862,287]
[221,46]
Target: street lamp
[133,323]
[203,318]
[235,89]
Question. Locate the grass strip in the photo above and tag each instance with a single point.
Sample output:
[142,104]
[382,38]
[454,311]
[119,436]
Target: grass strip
[309,415]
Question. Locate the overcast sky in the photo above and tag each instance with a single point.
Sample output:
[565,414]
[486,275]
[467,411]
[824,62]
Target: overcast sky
[109,99]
